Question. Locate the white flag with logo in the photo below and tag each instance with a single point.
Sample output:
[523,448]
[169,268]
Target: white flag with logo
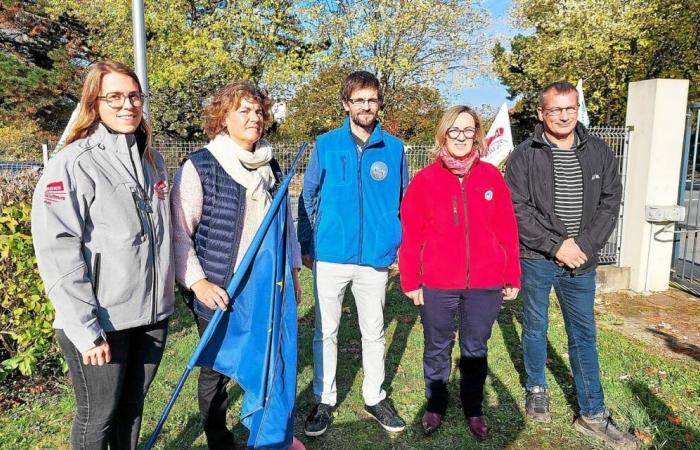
[499,140]
[582,111]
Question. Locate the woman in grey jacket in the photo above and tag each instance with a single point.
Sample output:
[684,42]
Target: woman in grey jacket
[102,237]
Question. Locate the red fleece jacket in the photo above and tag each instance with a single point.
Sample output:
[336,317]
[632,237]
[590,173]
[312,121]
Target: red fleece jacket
[440,249]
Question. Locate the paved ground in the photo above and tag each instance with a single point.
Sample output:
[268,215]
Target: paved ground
[669,321]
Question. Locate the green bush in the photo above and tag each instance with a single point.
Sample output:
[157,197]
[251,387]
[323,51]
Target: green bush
[26,335]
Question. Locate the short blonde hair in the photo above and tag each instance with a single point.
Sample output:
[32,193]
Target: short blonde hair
[447,120]
[229,98]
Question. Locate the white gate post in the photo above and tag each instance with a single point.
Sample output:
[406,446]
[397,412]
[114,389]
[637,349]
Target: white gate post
[656,109]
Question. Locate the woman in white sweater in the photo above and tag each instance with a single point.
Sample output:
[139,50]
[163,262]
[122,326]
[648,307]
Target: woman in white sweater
[219,198]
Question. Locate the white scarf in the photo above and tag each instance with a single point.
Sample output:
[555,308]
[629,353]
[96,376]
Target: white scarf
[249,169]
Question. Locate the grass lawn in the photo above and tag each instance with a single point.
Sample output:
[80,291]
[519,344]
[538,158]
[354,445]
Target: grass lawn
[648,392]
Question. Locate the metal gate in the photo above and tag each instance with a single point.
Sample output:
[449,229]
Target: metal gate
[618,139]
[685,269]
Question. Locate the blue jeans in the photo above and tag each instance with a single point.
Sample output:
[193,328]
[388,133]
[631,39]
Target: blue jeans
[110,398]
[576,294]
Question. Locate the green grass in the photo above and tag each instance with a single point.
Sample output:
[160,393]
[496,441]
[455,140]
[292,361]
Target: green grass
[642,387]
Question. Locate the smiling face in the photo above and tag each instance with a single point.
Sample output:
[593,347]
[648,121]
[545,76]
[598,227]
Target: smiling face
[463,128]
[245,124]
[555,113]
[363,114]
[127,118]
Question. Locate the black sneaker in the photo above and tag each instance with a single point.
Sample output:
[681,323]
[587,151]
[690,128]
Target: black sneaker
[601,427]
[318,420]
[537,404]
[384,413]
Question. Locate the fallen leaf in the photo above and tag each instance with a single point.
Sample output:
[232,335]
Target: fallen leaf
[675,420]
[646,438]
[623,377]
[651,370]
[405,319]
[689,437]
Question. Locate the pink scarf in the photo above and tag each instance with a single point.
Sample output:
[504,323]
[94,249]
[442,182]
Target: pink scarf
[459,166]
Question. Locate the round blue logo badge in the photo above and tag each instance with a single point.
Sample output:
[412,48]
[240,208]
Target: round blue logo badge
[379,170]
[488,195]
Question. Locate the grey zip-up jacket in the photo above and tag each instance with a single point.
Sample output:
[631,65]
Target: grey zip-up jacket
[102,237]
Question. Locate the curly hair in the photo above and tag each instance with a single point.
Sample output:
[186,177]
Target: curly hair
[229,99]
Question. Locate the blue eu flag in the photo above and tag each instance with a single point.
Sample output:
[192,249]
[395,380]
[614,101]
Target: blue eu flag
[255,341]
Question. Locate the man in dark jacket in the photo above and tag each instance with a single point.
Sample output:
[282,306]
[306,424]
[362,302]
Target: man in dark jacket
[566,192]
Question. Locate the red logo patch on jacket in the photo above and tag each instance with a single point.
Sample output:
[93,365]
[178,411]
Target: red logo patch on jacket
[54,192]
[161,189]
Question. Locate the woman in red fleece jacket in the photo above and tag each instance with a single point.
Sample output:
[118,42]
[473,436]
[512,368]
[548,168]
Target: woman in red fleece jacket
[459,254]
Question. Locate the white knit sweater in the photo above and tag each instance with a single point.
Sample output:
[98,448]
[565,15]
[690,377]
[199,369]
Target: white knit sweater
[186,207]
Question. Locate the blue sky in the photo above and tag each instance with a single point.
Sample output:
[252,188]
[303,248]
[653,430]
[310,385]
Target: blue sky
[488,90]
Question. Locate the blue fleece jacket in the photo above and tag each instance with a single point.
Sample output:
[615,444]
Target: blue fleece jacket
[349,205]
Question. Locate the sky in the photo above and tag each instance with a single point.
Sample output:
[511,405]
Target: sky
[488,90]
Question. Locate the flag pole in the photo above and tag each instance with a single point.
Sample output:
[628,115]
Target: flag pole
[231,289]
[139,38]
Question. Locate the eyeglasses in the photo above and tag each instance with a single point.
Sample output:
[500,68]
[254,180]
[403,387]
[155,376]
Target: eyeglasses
[453,133]
[116,100]
[374,102]
[556,112]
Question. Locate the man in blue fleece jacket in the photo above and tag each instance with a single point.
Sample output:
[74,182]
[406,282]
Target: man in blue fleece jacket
[349,232]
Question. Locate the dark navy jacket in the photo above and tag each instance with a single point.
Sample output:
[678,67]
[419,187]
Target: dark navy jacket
[349,206]
[218,234]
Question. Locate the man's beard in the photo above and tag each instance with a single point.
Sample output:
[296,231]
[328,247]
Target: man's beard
[363,120]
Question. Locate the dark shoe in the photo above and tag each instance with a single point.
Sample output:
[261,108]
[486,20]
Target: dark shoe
[479,427]
[318,420]
[537,404]
[384,413]
[431,422]
[601,427]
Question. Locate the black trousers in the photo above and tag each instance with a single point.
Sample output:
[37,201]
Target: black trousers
[477,310]
[213,402]
[110,398]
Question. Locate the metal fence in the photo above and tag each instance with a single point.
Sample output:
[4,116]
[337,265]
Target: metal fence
[418,156]
[685,268]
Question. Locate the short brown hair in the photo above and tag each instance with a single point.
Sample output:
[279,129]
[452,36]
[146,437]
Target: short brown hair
[360,80]
[229,98]
[446,121]
[560,87]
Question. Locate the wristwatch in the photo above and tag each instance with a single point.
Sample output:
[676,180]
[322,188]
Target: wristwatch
[99,341]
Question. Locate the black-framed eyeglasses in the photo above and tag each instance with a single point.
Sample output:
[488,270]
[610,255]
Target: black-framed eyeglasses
[556,112]
[454,132]
[116,100]
[374,102]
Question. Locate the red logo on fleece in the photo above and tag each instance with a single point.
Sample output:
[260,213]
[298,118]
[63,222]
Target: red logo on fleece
[54,192]
[161,189]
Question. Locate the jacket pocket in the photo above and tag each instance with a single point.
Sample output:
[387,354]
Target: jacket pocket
[96,268]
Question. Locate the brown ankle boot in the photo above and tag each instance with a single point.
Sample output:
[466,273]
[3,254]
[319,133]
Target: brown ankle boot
[479,427]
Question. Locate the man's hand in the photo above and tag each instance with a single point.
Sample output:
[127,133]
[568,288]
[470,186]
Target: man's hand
[210,294]
[308,261]
[416,296]
[98,356]
[510,293]
[297,284]
[570,254]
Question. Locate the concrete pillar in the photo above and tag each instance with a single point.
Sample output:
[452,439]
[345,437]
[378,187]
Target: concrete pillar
[656,109]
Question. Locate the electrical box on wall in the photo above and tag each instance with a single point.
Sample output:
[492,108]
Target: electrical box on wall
[663,214]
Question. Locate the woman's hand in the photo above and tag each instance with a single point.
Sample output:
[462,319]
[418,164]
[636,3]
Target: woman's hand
[98,356]
[210,294]
[297,284]
[416,296]
[510,293]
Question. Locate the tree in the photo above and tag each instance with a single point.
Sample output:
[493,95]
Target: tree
[196,46]
[406,43]
[607,44]
[38,82]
